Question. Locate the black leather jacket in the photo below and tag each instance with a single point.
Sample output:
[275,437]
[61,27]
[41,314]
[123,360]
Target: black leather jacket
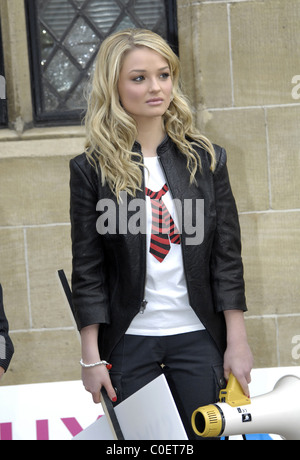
[109,271]
[6,345]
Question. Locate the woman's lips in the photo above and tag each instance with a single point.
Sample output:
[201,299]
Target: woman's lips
[155,101]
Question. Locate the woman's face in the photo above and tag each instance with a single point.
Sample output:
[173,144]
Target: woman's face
[145,84]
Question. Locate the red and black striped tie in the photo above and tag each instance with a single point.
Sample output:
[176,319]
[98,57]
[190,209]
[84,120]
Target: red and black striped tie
[163,229]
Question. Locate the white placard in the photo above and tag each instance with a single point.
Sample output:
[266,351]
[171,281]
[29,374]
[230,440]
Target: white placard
[46,411]
[149,414]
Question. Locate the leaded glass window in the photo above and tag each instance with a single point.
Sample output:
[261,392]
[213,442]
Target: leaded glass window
[64,37]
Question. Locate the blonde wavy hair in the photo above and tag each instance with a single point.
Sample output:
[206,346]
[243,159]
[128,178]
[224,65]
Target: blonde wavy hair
[111,131]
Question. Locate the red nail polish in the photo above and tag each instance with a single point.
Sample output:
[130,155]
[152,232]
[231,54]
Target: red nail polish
[114,399]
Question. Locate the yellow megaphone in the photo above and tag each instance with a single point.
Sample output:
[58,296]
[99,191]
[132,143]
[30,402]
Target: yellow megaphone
[277,412]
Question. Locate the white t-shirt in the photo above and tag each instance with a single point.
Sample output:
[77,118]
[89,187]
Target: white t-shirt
[167,311]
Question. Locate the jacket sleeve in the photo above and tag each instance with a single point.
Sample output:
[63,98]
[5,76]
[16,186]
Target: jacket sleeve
[227,271]
[89,290]
[6,345]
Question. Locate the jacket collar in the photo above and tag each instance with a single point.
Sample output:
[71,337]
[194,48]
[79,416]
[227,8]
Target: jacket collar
[163,146]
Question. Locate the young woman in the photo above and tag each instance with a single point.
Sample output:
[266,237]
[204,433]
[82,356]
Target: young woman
[157,279]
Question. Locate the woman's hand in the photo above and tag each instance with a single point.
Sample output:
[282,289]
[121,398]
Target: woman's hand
[238,361]
[238,358]
[94,378]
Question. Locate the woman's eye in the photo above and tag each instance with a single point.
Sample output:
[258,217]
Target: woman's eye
[165,75]
[139,79]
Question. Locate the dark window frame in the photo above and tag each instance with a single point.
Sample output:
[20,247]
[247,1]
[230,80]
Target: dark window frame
[71,117]
[3,102]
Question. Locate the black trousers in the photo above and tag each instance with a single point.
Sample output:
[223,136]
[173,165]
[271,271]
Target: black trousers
[191,363]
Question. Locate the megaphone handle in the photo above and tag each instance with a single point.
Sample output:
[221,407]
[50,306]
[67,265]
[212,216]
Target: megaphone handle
[233,393]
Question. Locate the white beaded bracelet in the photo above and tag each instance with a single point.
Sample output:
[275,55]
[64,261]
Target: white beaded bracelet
[86,366]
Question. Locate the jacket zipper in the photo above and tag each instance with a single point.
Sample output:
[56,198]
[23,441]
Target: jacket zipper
[144,301]
[182,251]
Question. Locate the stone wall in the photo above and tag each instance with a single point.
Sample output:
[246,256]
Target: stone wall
[35,243]
[241,73]
[238,60]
